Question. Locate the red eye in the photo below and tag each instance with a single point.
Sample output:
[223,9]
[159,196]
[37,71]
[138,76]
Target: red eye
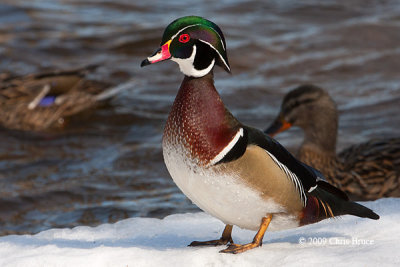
[184,38]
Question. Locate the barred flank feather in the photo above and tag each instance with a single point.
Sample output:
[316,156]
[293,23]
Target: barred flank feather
[293,177]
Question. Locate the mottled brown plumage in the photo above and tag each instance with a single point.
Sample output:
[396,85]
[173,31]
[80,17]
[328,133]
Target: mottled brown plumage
[374,166]
[20,98]
[366,171]
[204,134]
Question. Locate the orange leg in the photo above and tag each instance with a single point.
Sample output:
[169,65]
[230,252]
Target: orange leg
[225,239]
[257,241]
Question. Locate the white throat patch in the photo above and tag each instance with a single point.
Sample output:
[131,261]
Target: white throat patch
[186,65]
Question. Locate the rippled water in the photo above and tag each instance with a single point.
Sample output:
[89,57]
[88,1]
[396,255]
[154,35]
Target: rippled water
[107,165]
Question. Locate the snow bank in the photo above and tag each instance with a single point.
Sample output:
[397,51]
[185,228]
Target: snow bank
[347,241]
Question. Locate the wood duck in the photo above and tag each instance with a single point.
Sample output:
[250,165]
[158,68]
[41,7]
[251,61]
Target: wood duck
[234,172]
[365,171]
[37,102]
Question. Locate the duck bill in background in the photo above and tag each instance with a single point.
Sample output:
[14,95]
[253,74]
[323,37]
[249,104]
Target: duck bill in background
[279,125]
[160,55]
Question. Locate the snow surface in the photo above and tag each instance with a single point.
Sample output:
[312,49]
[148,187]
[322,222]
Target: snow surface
[154,242]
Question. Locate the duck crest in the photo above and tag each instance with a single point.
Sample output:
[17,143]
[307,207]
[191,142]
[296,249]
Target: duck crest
[198,122]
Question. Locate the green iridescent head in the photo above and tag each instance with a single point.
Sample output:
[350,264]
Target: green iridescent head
[195,43]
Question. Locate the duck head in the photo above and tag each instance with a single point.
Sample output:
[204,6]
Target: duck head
[313,110]
[308,107]
[195,43]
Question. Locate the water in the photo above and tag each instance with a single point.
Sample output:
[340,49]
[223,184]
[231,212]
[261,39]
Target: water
[107,165]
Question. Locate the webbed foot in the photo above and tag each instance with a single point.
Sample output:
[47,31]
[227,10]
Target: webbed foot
[257,241]
[225,239]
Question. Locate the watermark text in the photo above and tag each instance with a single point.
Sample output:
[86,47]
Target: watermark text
[336,241]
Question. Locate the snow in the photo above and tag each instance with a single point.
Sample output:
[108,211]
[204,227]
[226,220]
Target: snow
[155,242]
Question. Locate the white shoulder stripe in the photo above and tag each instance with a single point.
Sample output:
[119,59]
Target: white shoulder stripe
[228,147]
[293,177]
[312,188]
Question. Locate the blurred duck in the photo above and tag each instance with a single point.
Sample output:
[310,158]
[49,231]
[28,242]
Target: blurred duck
[365,171]
[36,102]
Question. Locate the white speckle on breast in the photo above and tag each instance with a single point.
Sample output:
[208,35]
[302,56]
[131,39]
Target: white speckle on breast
[223,195]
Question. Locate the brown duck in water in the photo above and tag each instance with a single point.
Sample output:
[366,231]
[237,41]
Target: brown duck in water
[365,171]
[40,101]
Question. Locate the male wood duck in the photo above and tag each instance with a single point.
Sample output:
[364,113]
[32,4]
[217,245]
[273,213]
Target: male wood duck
[366,171]
[234,172]
[40,101]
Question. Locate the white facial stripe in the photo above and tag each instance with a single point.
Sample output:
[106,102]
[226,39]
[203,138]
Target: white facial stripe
[193,25]
[220,39]
[186,65]
[176,34]
[220,56]
[228,148]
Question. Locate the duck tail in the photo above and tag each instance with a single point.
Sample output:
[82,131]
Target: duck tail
[327,201]
[356,209]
